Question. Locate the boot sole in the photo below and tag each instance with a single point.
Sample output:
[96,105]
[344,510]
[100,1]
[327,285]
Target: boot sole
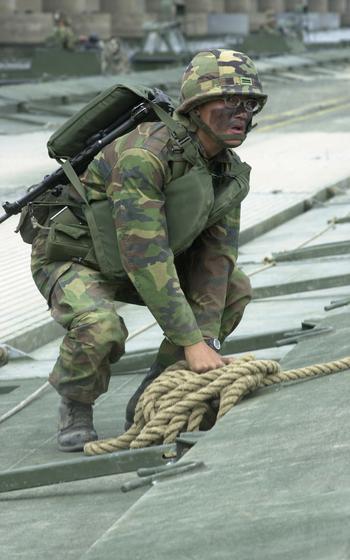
[77,446]
[71,449]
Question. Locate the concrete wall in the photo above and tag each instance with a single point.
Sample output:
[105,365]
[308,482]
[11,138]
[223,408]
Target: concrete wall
[345,16]
[318,6]
[205,6]
[241,6]
[29,6]
[85,24]
[7,6]
[123,6]
[275,5]
[126,18]
[25,29]
[338,6]
[71,6]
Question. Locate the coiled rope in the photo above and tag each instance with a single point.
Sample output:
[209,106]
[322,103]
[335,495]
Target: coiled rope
[181,400]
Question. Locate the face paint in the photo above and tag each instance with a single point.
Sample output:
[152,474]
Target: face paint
[223,119]
[233,115]
[228,123]
[227,120]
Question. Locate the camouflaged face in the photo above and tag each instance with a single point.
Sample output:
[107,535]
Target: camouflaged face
[218,72]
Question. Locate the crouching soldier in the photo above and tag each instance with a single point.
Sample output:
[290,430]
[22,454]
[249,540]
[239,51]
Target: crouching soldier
[175,189]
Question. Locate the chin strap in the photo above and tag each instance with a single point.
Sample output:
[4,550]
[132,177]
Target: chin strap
[221,139]
[250,125]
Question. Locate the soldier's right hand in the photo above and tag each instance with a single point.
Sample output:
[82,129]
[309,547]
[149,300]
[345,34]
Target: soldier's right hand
[201,358]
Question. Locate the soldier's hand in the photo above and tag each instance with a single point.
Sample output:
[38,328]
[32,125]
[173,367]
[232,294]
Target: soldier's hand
[201,358]
[229,359]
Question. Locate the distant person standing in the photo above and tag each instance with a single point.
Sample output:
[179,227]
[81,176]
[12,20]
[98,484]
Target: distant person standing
[270,23]
[302,7]
[113,58]
[63,35]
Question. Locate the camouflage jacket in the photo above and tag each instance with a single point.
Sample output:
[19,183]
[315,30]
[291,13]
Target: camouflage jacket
[132,171]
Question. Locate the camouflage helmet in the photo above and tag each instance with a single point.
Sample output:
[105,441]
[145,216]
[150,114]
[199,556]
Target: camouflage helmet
[215,73]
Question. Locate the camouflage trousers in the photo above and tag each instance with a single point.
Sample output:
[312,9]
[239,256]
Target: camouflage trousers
[84,302]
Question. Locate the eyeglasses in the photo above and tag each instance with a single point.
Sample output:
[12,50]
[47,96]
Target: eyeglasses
[249,104]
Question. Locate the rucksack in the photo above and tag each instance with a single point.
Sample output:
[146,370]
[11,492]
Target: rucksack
[84,134]
[103,113]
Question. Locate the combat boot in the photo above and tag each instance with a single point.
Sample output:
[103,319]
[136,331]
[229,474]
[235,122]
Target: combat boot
[75,427]
[155,370]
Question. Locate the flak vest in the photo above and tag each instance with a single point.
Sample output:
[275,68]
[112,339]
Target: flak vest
[192,204]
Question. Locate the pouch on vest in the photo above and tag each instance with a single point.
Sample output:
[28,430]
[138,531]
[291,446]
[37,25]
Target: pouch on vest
[226,198]
[35,215]
[25,226]
[68,238]
[191,197]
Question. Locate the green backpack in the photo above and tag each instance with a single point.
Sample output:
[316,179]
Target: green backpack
[92,126]
[103,113]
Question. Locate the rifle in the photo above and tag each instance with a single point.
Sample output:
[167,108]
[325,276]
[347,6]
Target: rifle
[140,113]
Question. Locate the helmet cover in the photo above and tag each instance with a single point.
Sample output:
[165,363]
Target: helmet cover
[217,73]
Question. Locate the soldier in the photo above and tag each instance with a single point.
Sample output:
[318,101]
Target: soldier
[113,58]
[63,35]
[270,23]
[175,189]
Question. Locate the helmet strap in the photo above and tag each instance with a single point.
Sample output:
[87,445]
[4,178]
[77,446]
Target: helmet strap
[250,125]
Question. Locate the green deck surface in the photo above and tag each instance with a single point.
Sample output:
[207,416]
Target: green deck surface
[276,483]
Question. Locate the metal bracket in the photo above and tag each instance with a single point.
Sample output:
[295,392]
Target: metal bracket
[287,288]
[85,467]
[313,252]
[147,477]
[299,335]
[337,303]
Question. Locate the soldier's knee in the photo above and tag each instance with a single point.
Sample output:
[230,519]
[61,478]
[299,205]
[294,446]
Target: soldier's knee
[101,327]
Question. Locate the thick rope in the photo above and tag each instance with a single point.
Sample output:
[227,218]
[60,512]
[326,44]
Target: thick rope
[181,400]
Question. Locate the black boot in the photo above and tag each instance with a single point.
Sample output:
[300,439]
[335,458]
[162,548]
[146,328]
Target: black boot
[155,370]
[75,427]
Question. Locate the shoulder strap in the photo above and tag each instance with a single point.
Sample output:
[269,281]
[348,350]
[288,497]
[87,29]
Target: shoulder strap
[73,178]
[180,134]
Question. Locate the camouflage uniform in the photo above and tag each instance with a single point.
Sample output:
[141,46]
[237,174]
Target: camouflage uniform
[199,294]
[63,37]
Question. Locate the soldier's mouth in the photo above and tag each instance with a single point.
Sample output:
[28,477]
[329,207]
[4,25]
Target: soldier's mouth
[237,126]
[228,122]
[235,130]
